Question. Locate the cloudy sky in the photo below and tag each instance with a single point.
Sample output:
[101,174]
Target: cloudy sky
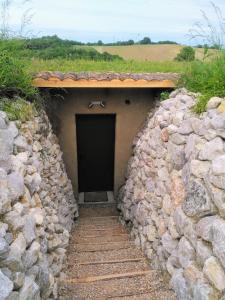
[112,20]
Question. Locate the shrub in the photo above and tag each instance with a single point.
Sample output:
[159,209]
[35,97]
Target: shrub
[207,78]
[17,109]
[164,96]
[13,76]
[186,54]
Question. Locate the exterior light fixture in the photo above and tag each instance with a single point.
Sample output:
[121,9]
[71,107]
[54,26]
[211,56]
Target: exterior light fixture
[96,103]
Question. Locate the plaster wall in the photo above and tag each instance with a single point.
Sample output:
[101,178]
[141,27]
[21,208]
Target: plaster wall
[129,119]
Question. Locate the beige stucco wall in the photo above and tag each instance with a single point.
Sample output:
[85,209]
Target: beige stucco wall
[129,119]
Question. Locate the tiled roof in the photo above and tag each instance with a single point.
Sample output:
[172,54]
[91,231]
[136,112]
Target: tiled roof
[107,76]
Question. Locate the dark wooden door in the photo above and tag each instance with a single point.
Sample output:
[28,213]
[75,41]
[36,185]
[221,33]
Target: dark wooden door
[96,148]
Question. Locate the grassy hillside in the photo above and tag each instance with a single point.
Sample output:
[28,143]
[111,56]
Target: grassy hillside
[148,52]
[66,65]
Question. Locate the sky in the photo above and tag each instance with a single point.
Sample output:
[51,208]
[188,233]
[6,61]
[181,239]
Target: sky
[113,20]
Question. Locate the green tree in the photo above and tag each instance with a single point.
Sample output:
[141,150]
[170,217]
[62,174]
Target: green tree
[146,41]
[186,54]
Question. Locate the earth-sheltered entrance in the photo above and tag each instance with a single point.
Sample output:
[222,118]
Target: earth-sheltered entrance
[98,120]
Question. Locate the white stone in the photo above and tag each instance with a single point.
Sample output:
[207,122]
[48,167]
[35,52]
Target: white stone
[214,102]
[203,252]
[179,284]
[215,273]
[200,168]
[186,252]
[6,286]
[169,244]
[218,165]
[212,149]
[30,290]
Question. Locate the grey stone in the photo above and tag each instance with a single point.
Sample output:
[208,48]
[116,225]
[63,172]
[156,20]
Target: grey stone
[218,239]
[212,149]
[20,144]
[218,122]
[29,229]
[217,196]
[204,228]
[17,249]
[215,273]
[198,126]
[203,291]
[33,182]
[3,229]
[214,102]
[15,185]
[4,248]
[198,202]
[179,284]
[169,244]
[218,181]
[185,226]
[200,168]
[5,201]
[186,253]
[186,127]
[177,155]
[13,129]
[3,124]
[18,280]
[6,286]
[14,219]
[203,252]
[178,139]
[31,255]
[6,145]
[30,290]
[13,296]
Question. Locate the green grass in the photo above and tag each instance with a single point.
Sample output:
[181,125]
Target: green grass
[17,109]
[207,78]
[65,65]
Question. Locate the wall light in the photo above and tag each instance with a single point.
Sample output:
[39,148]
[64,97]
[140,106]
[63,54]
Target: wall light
[96,103]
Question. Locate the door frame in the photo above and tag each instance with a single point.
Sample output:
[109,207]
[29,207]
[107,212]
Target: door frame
[114,154]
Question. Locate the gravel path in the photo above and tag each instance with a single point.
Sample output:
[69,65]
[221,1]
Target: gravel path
[103,263]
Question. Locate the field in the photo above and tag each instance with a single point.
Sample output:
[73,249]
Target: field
[148,52]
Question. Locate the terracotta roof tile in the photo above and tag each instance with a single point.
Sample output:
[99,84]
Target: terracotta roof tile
[107,76]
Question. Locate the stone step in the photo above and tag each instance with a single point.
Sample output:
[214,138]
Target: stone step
[108,268]
[115,287]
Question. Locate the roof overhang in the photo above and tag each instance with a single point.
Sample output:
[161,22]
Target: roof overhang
[105,80]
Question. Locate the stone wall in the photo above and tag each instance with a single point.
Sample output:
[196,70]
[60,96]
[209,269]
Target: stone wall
[174,196]
[37,208]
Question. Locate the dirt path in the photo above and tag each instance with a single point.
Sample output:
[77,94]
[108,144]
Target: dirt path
[103,263]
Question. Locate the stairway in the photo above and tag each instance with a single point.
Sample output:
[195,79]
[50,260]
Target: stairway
[104,263]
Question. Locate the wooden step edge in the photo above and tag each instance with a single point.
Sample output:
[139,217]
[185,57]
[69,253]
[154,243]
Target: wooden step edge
[87,227]
[102,217]
[102,250]
[91,279]
[97,236]
[108,262]
[106,243]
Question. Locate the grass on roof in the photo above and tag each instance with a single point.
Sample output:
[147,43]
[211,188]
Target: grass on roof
[64,65]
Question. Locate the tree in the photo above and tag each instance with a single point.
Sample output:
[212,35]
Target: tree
[145,41]
[100,43]
[186,54]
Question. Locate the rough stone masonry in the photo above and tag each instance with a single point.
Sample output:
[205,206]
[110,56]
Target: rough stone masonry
[174,196]
[37,208]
